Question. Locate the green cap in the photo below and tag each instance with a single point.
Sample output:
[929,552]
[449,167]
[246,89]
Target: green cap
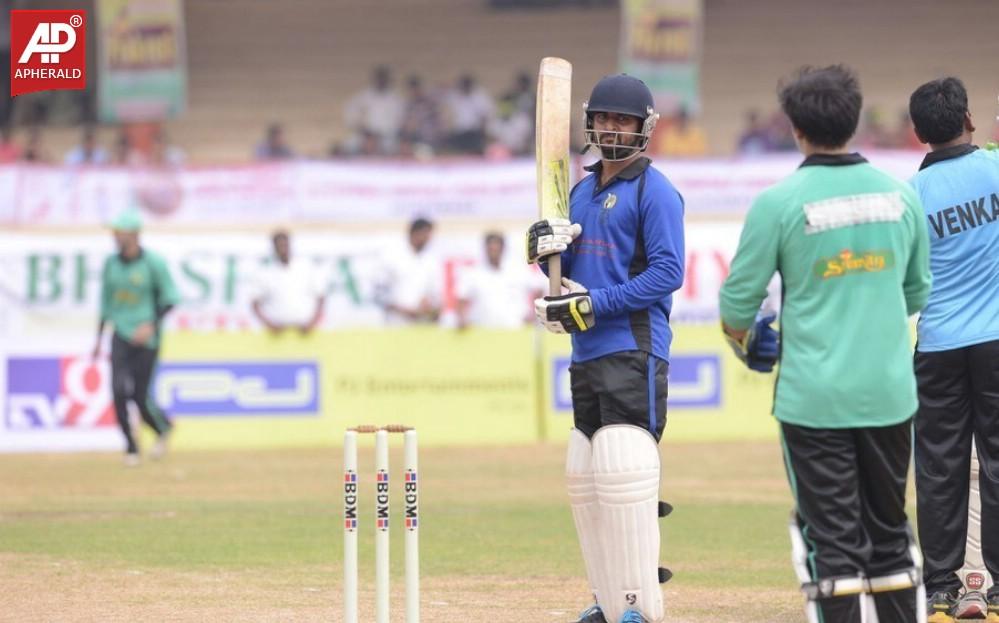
[129,220]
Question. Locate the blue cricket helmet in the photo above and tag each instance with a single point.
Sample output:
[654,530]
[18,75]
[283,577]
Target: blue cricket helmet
[625,95]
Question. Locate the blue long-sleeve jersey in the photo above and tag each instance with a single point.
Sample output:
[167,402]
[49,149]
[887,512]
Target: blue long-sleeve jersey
[630,256]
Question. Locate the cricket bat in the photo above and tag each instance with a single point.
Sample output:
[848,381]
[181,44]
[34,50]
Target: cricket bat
[552,149]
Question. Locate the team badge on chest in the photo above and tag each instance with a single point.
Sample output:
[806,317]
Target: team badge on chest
[609,203]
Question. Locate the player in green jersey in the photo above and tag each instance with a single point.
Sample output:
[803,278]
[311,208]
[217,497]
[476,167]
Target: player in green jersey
[136,292]
[850,244]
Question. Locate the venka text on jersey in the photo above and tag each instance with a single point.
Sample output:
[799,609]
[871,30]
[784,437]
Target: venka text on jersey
[962,217]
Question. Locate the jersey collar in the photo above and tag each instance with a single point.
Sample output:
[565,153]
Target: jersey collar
[630,172]
[832,160]
[125,260]
[946,154]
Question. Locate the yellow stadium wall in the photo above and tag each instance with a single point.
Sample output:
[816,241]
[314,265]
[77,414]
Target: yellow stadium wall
[470,387]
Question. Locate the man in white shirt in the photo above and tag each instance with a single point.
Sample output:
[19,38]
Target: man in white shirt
[498,294]
[471,111]
[377,112]
[288,293]
[411,285]
[88,152]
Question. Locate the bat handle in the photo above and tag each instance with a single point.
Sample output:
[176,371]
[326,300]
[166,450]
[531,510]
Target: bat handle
[555,275]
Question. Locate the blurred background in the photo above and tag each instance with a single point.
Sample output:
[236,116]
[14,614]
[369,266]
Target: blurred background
[340,190]
[392,142]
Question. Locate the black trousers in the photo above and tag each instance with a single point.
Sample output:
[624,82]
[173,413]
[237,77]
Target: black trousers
[629,387]
[958,397]
[132,369]
[849,487]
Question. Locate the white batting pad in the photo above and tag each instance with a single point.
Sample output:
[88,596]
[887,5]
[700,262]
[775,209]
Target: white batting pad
[585,509]
[626,472]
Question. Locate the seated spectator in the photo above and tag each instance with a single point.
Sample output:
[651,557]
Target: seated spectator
[521,95]
[371,146]
[512,130]
[470,112]
[421,121]
[378,111]
[682,137]
[872,133]
[122,148]
[779,130]
[9,150]
[34,151]
[905,134]
[755,139]
[88,152]
[273,147]
[159,153]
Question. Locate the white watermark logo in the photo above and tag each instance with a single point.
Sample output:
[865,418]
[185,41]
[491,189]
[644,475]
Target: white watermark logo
[46,41]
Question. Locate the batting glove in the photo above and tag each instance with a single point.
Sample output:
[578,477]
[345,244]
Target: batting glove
[568,313]
[759,349]
[550,237]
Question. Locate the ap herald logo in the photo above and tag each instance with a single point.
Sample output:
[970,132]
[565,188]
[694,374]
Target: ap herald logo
[47,51]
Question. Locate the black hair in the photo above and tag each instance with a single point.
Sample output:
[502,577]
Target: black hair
[419,224]
[495,236]
[938,109]
[823,103]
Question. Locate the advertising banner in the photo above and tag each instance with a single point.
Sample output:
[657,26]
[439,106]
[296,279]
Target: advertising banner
[340,193]
[240,390]
[141,60]
[231,384]
[661,45]
[712,395]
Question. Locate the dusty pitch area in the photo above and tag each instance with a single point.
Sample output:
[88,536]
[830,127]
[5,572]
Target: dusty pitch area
[45,589]
[254,536]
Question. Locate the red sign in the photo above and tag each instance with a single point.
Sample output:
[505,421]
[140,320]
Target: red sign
[975,581]
[48,51]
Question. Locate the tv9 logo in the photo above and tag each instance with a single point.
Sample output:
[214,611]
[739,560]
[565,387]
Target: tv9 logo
[58,392]
[48,51]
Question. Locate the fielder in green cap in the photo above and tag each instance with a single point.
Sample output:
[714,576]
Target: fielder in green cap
[136,293]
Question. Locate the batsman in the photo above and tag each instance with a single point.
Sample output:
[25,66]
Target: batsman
[621,251]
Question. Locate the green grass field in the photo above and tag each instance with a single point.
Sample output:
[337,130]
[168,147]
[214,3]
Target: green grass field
[256,536]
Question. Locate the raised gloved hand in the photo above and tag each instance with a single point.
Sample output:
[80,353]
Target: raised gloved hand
[568,313]
[550,237]
[759,348]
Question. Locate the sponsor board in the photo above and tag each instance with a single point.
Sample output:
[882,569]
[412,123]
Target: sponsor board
[75,392]
[57,392]
[235,389]
[457,387]
[215,197]
[694,382]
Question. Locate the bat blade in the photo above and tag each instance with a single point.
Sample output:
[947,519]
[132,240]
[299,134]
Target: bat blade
[552,148]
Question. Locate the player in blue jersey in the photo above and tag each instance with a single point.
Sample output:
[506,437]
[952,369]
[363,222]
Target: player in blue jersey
[957,354]
[622,252]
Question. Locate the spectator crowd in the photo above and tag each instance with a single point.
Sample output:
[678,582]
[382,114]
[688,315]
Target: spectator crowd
[422,120]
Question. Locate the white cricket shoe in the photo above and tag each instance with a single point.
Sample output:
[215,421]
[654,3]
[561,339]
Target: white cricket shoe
[972,605]
[159,449]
